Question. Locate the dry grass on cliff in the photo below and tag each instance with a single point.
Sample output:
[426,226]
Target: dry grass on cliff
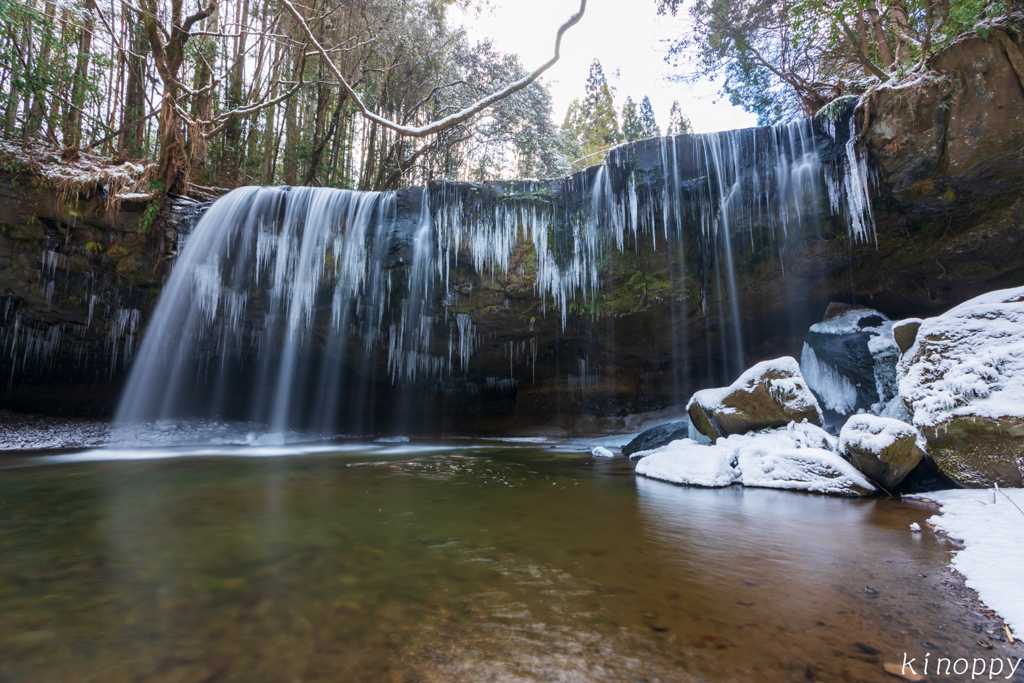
[78,174]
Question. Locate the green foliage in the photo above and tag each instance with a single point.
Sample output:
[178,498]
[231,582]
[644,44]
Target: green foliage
[647,122]
[93,248]
[591,126]
[148,217]
[632,128]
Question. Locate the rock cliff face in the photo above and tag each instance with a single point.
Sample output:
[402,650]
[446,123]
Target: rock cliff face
[80,272]
[948,208]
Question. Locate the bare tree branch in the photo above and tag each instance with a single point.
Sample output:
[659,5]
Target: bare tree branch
[456,118]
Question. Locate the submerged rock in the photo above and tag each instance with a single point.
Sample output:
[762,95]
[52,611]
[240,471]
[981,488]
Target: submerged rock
[770,394]
[884,449]
[657,437]
[963,382]
[849,359]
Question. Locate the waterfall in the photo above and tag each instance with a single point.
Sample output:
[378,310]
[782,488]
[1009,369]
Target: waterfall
[299,306]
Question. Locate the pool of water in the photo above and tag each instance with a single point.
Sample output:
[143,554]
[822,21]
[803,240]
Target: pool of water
[449,563]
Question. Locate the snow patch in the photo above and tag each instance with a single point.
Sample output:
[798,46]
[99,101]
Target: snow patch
[802,469]
[991,528]
[849,322]
[687,462]
[601,452]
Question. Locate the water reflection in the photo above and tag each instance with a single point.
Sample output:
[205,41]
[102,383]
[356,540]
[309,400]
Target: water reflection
[472,564]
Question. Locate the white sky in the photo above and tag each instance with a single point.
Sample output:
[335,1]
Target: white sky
[627,36]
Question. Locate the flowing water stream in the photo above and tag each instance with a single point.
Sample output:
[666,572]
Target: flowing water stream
[458,561]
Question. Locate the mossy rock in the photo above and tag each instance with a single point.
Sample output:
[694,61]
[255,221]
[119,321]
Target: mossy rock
[977,452]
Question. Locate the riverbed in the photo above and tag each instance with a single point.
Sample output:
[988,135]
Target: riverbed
[458,560]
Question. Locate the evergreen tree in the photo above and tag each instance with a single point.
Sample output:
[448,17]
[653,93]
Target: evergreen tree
[647,123]
[599,109]
[677,123]
[591,125]
[632,128]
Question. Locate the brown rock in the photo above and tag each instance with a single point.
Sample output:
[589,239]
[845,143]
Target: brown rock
[770,394]
[905,333]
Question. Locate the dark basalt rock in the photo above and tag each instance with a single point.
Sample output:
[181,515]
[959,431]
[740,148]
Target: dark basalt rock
[656,437]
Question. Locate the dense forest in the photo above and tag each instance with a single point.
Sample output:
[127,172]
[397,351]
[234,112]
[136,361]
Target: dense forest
[374,94]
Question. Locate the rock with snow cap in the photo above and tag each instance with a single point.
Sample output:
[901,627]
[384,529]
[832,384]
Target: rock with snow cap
[799,457]
[849,359]
[963,383]
[884,449]
[770,394]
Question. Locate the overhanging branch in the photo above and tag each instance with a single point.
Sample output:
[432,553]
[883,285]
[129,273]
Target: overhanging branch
[456,118]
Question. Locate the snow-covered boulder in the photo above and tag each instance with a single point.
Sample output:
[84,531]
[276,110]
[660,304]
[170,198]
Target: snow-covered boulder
[656,437]
[770,394]
[849,359]
[800,456]
[883,448]
[801,469]
[963,382]
[687,462]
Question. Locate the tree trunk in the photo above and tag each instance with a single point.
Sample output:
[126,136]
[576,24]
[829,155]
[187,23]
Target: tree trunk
[172,162]
[883,44]
[207,53]
[291,126]
[73,136]
[132,140]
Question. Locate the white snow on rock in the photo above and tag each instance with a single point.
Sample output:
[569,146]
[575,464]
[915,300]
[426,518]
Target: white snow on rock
[690,463]
[799,457]
[874,434]
[991,528]
[972,364]
[601,452]
[802,469]
[849,322]
[711,399]
[836,391]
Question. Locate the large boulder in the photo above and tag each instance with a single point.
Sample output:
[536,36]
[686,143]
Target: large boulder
[770,394]
[963,382]
[800,457]
[884,449]
[849,359]
[656,437]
